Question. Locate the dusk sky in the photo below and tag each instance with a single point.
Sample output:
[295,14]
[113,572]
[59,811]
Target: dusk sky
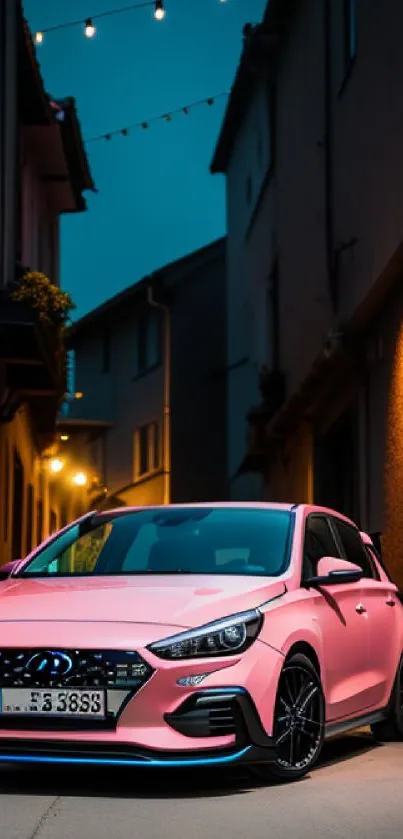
[157,200]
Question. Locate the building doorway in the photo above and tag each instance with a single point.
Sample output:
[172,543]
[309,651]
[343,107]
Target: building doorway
[336,467]
[18,507]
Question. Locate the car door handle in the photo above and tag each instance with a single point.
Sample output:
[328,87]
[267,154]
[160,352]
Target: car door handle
[390,601]
[360,609]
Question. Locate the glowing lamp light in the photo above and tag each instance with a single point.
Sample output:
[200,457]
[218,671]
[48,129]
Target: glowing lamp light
[78,395]
[89,29]
[80,479]
[38,37]
[160,12]
[56,465]
[64,438]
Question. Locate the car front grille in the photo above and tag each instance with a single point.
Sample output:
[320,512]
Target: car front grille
[65,668]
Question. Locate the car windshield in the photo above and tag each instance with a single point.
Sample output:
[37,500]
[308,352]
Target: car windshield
[244,541]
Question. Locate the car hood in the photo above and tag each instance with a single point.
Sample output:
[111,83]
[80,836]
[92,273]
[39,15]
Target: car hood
[180,601]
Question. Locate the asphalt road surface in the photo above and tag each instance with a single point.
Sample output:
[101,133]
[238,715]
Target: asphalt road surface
[356,791]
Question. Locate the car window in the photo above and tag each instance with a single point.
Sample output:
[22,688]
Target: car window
[242,541]
[319,542]
[82,555]
[353,546]
[373,558]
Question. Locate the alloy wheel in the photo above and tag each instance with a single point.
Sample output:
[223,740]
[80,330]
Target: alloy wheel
[298,718]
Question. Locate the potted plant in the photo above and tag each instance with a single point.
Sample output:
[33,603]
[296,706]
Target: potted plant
[50,302]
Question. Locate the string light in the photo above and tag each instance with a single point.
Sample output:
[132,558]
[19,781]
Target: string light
[88,23]
[167,116]
[159,13]
[89,29]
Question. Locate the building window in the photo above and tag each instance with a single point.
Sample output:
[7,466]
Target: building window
[106,351]
[273,317]
[18,507]
[259,149]
[147,450]
[52,522]
[350,32]
[249,189]
[29,519]
[149,341]
[142,360]
[64,517]
[6,491]
[39,521]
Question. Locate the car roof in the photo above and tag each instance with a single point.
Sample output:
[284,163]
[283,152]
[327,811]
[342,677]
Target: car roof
[235,505]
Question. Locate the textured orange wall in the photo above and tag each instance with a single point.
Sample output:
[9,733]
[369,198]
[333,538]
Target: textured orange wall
[392,540]
[291,478]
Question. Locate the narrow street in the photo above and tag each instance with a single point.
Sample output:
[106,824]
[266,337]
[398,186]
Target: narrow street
[355,792]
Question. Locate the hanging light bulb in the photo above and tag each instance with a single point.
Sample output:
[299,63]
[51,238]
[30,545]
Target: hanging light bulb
[39,37]
[89,29]
[160,12]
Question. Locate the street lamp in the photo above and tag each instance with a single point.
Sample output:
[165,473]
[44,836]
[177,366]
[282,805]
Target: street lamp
[80,479]
[56,465]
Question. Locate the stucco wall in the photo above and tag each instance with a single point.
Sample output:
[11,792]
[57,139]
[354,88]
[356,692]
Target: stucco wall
[368,132]
[291,475]
[300,194]
[250,258]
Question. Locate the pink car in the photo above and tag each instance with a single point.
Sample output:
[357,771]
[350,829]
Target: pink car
[198,635]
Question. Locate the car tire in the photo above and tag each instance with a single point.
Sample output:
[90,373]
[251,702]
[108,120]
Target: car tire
[298,740]
[391,729]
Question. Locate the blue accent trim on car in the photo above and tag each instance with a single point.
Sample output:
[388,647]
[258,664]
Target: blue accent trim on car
[93,761]
[215,691]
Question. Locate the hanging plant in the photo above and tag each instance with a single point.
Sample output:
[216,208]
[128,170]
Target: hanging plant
[48,300]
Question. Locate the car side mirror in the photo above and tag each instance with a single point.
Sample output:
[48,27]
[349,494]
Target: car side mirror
[333,571]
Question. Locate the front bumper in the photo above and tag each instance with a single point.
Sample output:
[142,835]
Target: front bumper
[251,743]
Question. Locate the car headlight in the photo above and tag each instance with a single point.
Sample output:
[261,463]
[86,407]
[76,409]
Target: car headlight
[229,636]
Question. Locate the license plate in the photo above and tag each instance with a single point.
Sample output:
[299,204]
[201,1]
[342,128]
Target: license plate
[53,703]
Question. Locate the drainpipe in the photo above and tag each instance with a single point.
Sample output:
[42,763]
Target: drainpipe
[329,195]
[167,392]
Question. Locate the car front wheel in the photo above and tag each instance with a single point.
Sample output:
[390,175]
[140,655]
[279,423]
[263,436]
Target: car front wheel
[299,719]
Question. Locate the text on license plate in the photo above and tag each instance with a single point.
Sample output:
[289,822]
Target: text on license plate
[60,703]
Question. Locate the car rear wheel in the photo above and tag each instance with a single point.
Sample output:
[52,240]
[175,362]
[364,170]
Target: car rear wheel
[391,729]
[299,719]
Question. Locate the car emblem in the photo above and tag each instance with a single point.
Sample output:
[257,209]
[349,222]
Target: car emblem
[49,664]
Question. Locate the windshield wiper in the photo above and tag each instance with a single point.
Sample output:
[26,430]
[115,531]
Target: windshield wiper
[166,571]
